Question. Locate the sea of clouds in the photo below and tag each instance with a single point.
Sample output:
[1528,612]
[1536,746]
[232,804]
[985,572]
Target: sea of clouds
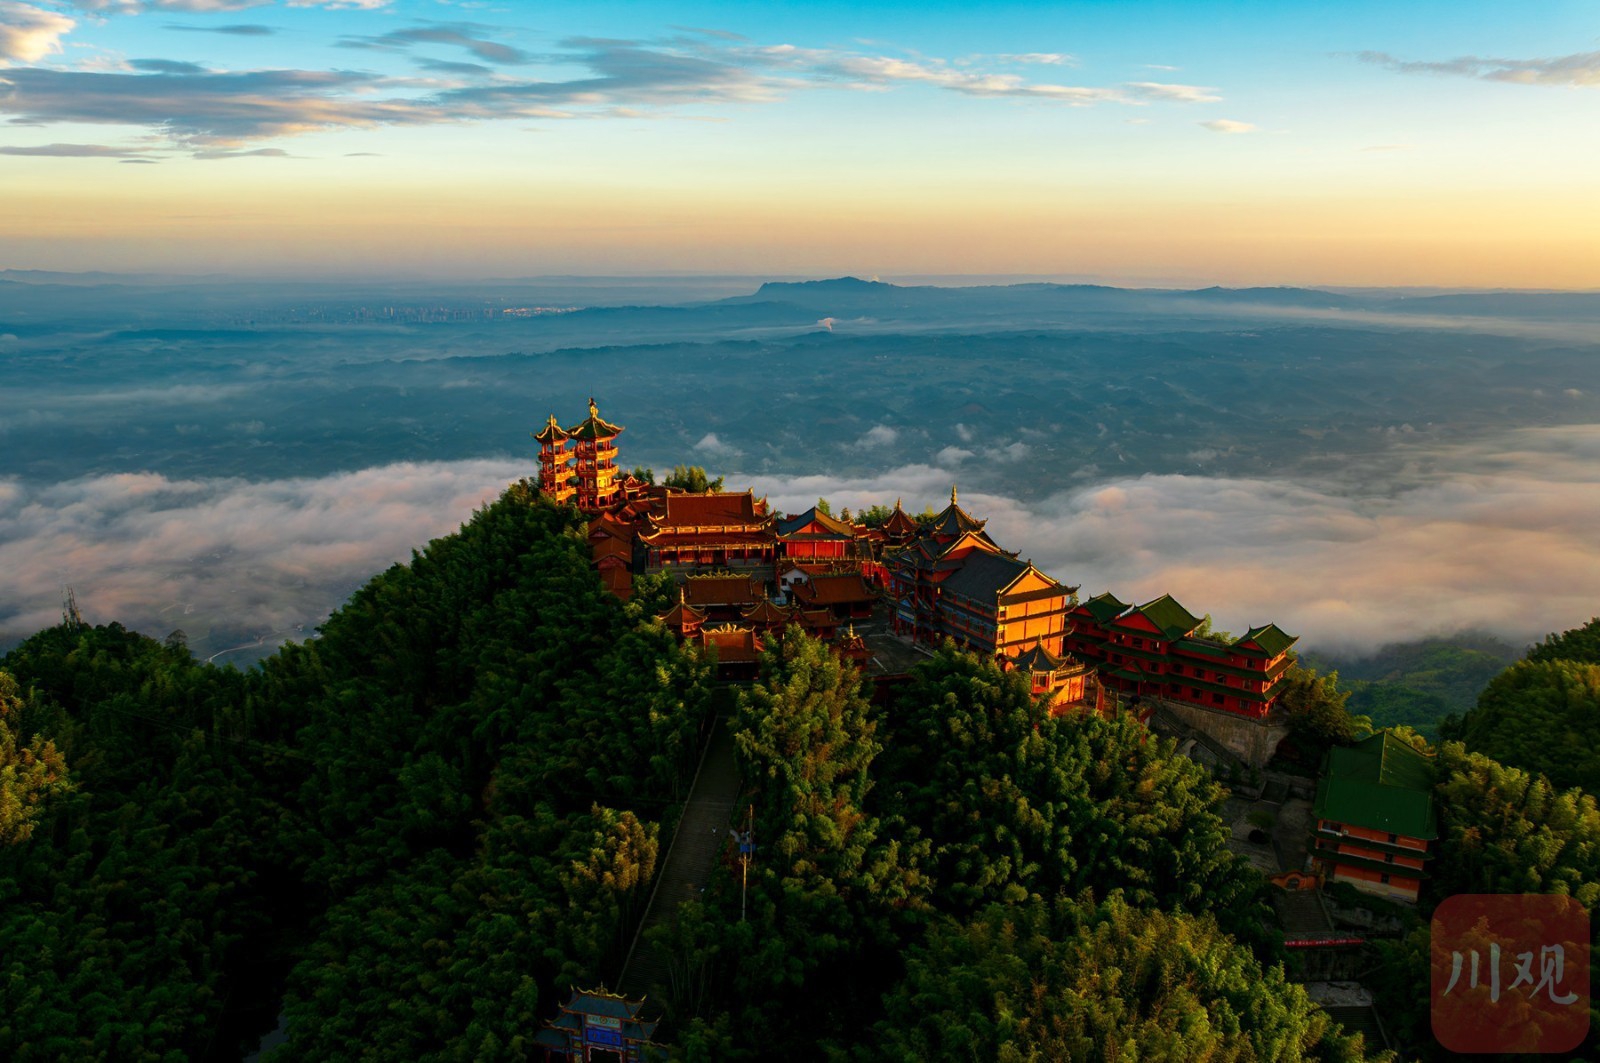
[1496,537]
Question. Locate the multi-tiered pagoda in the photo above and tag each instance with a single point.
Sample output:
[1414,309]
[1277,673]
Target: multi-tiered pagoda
[579,464]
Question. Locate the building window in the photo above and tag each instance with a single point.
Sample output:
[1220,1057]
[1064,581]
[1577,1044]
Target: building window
[1383,879]
[1388,858]
[1393,838]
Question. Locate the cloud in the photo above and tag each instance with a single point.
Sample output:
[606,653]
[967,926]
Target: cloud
[75,151]
[953,455]
[464,35]
[879,435]
[1581,69]
[616,78]
[270,153]
[166,66]
[236,30]
[964,433]
[1487,536]
[201,7]
[1017,451]
[710,444]
[158,554]
[1156,90]
[29,33]
[1228,125]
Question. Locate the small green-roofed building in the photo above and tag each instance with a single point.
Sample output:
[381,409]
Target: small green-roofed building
[1375,816]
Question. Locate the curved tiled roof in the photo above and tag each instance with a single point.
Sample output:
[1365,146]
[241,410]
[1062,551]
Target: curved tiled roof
[593,427]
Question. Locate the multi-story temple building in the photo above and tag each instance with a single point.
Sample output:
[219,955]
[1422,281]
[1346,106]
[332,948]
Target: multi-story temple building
[954,581]
[1375,817]
[716,529]
[579,464]
[1156,650]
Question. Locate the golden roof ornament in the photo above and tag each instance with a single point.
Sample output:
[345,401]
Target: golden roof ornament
[952,494]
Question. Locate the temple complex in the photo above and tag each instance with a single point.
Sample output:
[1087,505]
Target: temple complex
[746,574]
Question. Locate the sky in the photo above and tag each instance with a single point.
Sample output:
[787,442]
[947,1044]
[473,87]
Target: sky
[1356,143]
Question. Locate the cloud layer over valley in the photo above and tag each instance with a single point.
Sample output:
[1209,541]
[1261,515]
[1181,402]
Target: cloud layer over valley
[1498,538]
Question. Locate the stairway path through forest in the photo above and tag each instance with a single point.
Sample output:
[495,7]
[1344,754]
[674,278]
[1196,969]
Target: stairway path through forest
[701,835]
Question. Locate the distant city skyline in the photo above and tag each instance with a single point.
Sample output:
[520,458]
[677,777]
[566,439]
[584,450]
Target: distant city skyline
[1362,144]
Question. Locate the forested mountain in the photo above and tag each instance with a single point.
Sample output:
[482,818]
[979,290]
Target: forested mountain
[409,836]
[423,822]
[1543,713]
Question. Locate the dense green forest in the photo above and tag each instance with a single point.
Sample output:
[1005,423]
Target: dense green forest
[408,837]
[411,830]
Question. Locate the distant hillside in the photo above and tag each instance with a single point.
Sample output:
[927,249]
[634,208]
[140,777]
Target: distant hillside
[1419,683]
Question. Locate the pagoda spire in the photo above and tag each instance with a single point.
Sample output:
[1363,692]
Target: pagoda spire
[952,494]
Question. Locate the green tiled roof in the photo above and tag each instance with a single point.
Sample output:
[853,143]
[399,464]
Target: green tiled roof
[1270,637]
[1382,784]
[1170,618]
[1105,608]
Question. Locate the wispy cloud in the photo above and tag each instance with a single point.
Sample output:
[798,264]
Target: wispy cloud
[879,435]
[1497,534]
[1229,126]
[235,30]
[192,105]
[710,444]
[206,7]
[29,33]
[1580,69]
[74,151]
[159,554]
[468,36]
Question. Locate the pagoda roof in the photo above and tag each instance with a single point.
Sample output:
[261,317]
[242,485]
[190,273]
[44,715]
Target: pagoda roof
[593,427]
[1381,783]
[1169,618]
[709,509]
[724,589]
[813,618]
[1104,607]
[1036,660]
[953,520]
[552,433]
[682,614]
[1269,639]
[733,643]
[599,1002]
[766,611]
[899,522]
[833,527]
[835,588]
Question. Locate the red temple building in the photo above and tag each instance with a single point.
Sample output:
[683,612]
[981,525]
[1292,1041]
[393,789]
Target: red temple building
[683,619]
[844,594]
[711,530]
[1375,817]
[815,541]
[611,544]
[724,595]
[738,650]
[1154,650]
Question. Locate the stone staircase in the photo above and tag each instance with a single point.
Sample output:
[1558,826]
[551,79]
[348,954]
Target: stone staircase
[700,840]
